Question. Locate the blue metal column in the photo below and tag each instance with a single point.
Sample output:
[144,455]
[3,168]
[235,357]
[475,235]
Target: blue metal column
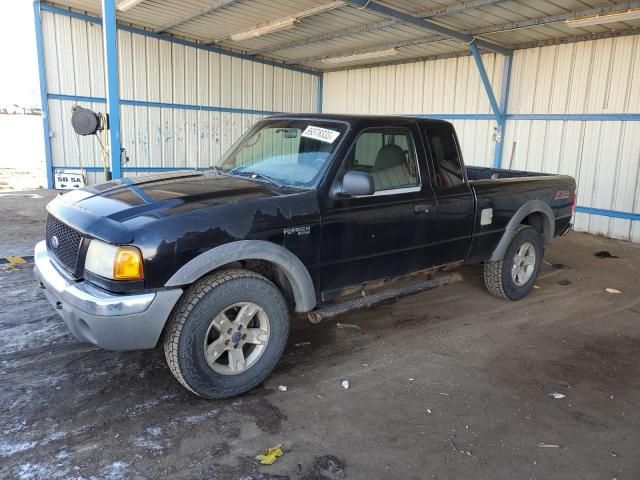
[499,111]
[110,37]
[319,98]
[43,93]
[485,80]
[504,105]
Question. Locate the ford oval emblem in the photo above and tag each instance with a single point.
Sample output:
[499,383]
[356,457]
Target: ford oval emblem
[55,242]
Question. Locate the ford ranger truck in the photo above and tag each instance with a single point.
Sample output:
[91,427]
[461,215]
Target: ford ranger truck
[211,264]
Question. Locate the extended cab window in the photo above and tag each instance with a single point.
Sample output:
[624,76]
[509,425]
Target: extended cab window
[446,157]
[388,155]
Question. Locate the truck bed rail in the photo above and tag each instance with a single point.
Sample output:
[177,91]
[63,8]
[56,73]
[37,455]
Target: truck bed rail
[486,173]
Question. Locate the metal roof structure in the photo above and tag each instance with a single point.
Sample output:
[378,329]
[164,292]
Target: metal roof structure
[314,33]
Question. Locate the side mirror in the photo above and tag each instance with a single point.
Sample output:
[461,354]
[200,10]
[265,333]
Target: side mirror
[357,183]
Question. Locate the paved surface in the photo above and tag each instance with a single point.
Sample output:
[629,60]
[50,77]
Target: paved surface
[448,384]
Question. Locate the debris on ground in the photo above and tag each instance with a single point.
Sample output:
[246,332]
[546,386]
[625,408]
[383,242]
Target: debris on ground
[557,266]
[282,388]
[301,344]
[270,455]
[429,411]
[548,445]
[345,384]
[612,290]
[536,287]
[564,282]
[348,325]
[557,395]
[604,254]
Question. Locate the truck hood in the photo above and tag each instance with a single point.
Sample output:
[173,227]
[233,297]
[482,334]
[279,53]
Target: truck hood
[111,211]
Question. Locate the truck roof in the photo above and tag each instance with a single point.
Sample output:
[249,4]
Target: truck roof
[356,118]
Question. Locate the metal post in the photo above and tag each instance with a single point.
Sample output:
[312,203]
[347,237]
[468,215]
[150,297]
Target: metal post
[43,93]
[319,98]
[485,80]
[504,104]
[110,37]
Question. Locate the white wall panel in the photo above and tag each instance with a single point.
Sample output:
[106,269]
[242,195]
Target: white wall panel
[431,87]
[599,76]
[439,86]
[596,77]
[154,70]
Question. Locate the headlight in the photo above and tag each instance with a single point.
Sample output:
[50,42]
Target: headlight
[113,261]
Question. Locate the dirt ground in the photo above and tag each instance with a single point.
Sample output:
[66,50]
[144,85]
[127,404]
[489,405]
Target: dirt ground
[448,384]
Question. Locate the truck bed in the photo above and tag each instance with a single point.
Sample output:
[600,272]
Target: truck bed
[486,173]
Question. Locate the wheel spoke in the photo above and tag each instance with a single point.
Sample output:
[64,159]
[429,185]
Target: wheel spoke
[256,336]
[221,322]
[236,360]
[529,261]
[246,314]
[216,349]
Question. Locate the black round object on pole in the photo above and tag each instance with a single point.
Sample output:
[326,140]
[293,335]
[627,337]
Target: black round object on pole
[85,121]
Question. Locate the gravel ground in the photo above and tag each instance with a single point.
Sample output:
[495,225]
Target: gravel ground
[448,384]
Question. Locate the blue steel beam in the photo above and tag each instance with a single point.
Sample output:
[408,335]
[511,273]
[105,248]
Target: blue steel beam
[43,93]
[320,93]
[504,104]
[110,40]
[485,80]
[427,25]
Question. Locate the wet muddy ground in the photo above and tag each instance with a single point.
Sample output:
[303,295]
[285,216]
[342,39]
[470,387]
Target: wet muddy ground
[451,383]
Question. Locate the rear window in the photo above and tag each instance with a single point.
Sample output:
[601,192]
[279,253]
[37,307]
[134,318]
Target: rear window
[446,157]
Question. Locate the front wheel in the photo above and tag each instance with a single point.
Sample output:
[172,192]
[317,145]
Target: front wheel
[227,333]
[513,277]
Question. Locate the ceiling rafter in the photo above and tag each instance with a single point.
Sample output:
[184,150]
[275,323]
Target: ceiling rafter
[428,25]
[217,5]
[473,33]
[370,27]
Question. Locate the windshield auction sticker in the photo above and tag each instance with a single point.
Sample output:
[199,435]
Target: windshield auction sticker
[322,134]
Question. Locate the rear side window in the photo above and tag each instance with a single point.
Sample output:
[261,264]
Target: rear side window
[446,157]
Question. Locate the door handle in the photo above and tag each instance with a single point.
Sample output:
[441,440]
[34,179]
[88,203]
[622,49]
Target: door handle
[422,208]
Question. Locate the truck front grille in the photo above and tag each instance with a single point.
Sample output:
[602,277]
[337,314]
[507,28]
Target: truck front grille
[63,242]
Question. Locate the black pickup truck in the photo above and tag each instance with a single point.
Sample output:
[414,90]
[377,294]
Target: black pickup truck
[300,210]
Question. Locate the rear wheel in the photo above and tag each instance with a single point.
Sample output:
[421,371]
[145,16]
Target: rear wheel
[227,333]
[513,277]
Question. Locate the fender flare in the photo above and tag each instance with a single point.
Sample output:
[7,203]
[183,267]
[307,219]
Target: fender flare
[532,206]
[295,271]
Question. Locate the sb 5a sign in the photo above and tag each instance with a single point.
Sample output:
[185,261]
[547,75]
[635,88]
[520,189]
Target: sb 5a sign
[67,180]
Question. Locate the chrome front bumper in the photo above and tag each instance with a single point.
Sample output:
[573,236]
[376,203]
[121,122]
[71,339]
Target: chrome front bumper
[108,320]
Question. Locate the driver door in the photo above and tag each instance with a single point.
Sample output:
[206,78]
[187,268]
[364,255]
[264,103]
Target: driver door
[388,233]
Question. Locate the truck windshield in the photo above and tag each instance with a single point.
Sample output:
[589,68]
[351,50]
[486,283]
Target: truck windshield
[285,152]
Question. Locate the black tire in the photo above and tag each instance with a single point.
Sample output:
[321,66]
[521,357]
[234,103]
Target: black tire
[497,275]
[189,323]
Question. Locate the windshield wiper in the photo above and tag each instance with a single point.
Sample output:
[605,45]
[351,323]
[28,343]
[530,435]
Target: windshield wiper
[257,175]
[217,170]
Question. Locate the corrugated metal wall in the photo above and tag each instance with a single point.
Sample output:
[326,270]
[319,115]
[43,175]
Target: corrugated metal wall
[159,71]
[450,86]
[596,77]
